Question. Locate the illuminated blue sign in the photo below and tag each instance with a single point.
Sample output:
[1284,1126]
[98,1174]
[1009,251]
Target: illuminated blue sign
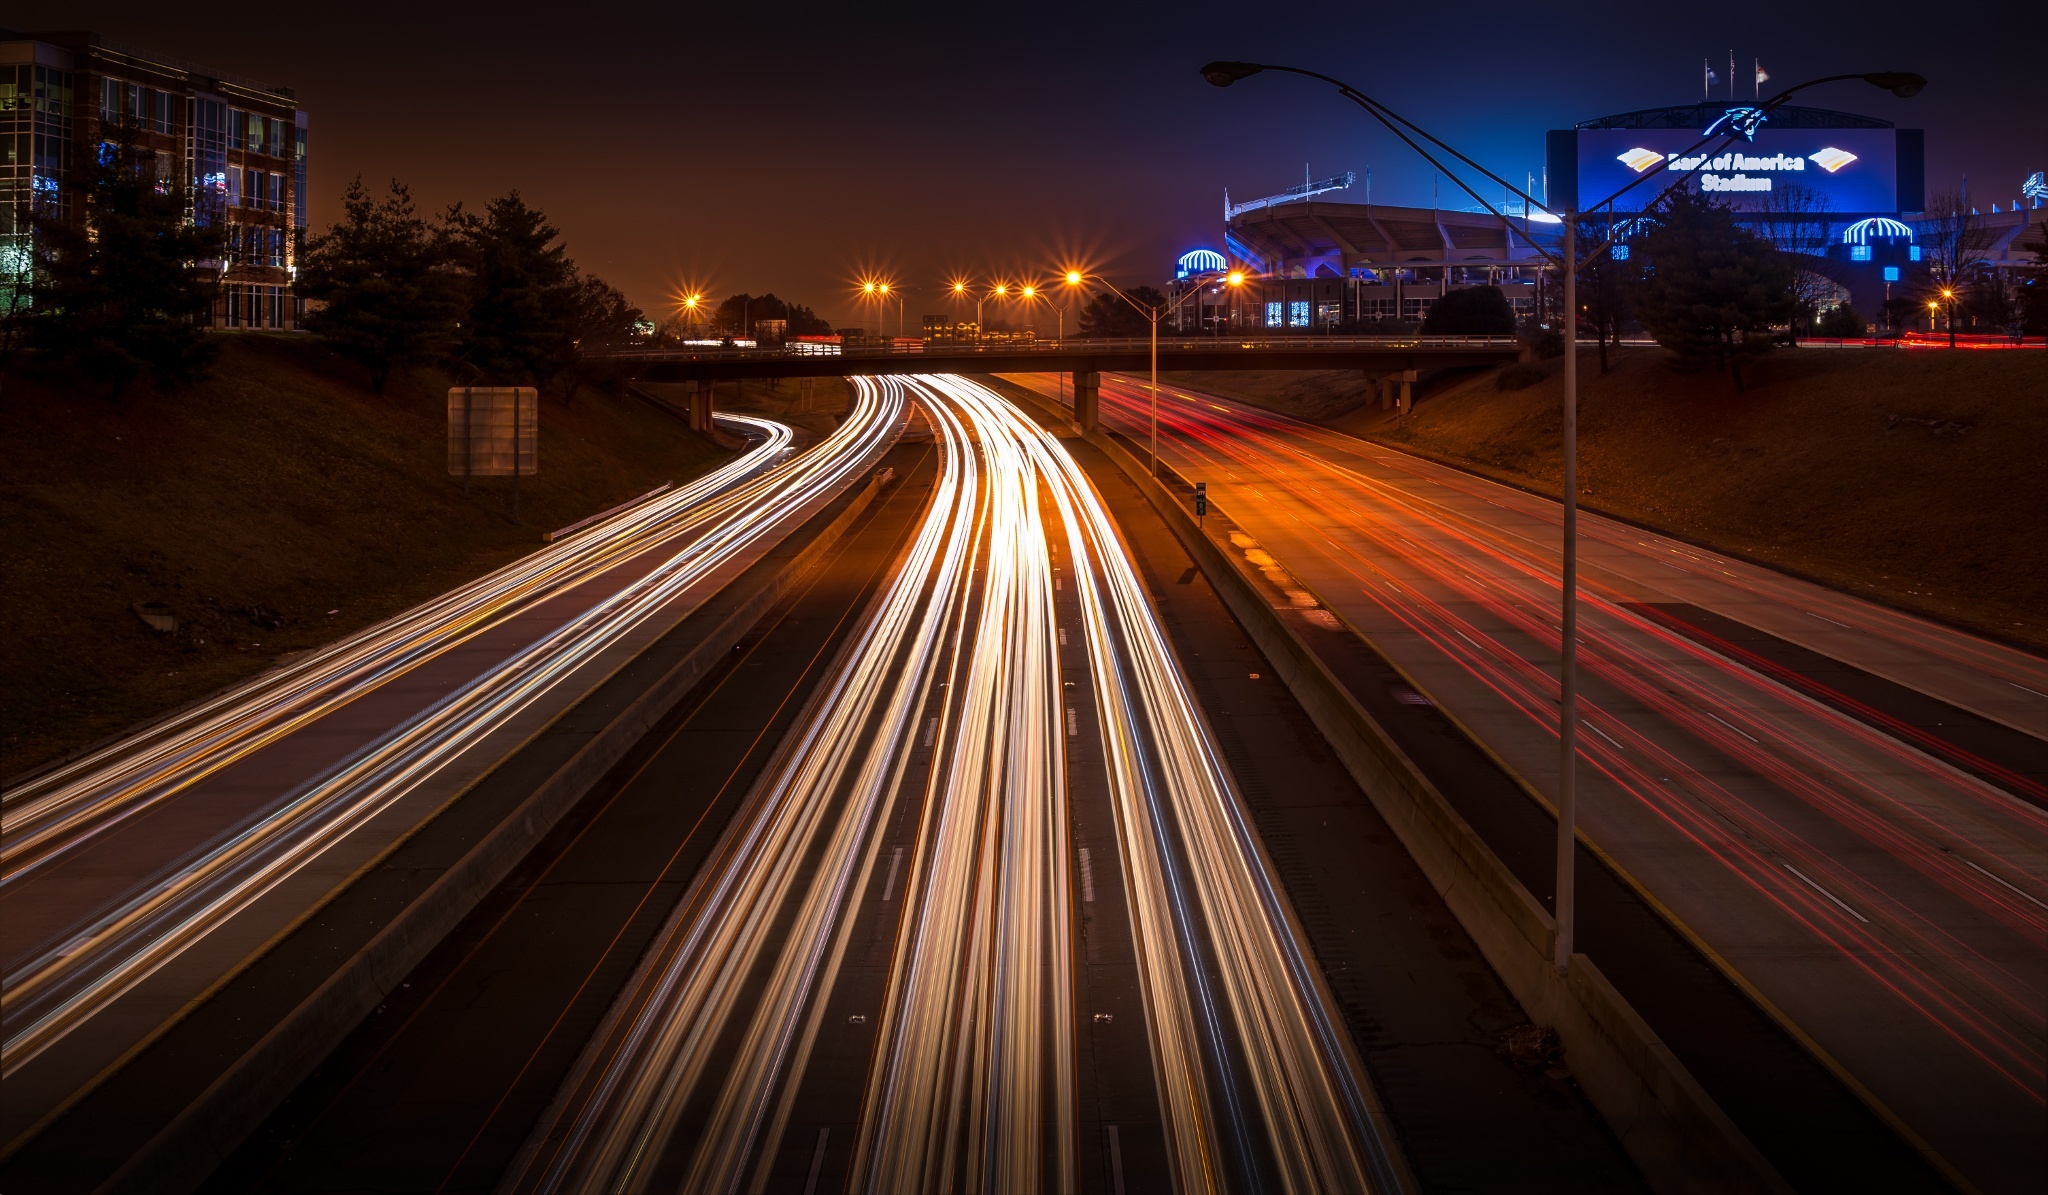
[1200,261]
[1891,273]
[1854,171]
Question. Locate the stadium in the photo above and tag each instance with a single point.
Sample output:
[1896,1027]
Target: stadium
[1846,192]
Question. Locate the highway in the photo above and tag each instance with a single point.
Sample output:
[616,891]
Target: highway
[1845,806]
[141,876]
[950,707]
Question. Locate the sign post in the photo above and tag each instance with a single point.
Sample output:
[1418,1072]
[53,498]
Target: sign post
[1201,501]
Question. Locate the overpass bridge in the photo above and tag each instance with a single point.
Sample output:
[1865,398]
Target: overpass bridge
[1395,359]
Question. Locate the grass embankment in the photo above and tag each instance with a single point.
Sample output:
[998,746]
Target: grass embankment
[273,508]
[1914,477]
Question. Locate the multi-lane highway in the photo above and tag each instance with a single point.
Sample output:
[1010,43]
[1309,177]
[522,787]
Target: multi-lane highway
[141,876]
[1847,806]
[953,702]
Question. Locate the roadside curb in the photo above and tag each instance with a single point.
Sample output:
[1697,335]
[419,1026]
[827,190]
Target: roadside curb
[186,1151]
[1672,1129]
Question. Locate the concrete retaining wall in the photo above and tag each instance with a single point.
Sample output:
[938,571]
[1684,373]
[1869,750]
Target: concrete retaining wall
[181,1156]
[1672,1129]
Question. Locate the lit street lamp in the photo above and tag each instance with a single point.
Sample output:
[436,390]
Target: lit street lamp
[1152,316]
[1903,84]
[1949,296]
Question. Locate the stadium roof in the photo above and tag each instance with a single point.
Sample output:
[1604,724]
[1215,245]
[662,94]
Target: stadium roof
[1299,239]
[1699,116]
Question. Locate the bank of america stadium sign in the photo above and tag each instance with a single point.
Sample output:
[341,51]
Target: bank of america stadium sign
[1858,171]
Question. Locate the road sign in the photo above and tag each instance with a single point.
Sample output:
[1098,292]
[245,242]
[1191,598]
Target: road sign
[1201,499]
[482,441]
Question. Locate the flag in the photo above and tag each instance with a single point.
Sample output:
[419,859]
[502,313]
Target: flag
[1762,76]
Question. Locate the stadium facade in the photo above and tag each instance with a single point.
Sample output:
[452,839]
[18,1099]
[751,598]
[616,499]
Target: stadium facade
[1846,192]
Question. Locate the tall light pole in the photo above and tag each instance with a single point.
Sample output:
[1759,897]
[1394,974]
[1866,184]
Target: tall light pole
[1153,314]
[1903,84]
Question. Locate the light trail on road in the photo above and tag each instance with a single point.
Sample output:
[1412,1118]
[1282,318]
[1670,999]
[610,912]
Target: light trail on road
[693,1079]
[1822,834]
[67,982]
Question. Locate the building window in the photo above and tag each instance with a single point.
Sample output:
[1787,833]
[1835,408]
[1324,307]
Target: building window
[1328,314]
[1297,313]
[1618,253]
[1272,315]
[1859,253]
[1912,253]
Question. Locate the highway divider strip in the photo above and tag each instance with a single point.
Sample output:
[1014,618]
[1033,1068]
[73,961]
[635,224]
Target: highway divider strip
[1675,1132]
[188,1149]
[600,516]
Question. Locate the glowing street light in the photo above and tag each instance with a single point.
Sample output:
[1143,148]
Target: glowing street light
[1152,314]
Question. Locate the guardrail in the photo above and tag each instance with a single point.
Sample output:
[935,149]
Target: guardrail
[1073,345]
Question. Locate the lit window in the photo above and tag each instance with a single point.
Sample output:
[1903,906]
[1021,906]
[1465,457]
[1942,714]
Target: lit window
[1620,253]
[1891,273]
[1859,253]
[1912,253]
[1272,315]
[1297,314]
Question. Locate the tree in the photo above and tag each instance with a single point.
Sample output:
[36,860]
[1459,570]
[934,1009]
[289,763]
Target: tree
[604,322]
[1710,289]
[1842,322]
[1605,280]
[117,291]
[1951,243]
[387,295]
[2034,290]
[1800,223]
[1107,315]
[521,295]
[1471,311]
[739,313]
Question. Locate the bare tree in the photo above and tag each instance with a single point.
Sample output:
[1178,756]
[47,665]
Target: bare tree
[1951,241]
[1800,222]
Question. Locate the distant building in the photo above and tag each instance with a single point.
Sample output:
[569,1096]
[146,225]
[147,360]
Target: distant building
[239,144]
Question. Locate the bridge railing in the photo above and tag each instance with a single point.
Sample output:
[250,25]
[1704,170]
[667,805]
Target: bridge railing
[1072,345]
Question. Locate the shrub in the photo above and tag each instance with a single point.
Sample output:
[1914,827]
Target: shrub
[1517,377]
[1842,322]
[1471,311]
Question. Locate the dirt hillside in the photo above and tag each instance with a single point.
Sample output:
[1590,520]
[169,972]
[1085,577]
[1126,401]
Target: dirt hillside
[1918,477]
[273,508]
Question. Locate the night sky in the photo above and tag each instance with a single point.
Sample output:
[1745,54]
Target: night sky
[792,149]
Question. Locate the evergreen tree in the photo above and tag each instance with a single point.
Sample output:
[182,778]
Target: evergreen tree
[117,292]
[1107,315]
[1710,289]
[522,299]
[387,298]
[1471,311]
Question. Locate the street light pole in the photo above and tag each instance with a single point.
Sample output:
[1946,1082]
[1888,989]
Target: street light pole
[1568,664]
[1152,316]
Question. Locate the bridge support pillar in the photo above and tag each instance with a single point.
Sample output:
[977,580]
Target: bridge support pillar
[699,396]
[1088,399]
[1407,378]
[806,389]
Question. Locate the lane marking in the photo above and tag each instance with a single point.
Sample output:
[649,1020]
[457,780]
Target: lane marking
[1087,877]
[1116,1162]
[931,730]
[1603,734]
[1831,896]
[1824,618]
[2001,883]
[2022,688]
[817,1163]
[1063,636]
[1732,726]
[1073,723]
[895,865]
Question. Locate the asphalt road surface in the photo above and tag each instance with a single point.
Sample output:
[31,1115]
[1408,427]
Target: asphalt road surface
[1844,805]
